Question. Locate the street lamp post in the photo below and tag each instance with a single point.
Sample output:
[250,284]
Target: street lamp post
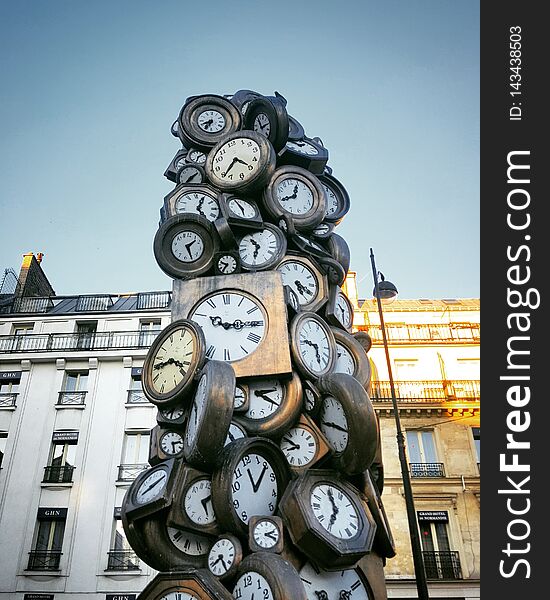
[386,289]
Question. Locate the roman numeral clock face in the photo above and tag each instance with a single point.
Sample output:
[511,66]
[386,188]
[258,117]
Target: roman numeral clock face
[172,360]
[233,323]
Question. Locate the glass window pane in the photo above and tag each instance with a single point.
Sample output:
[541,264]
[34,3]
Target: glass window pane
[442,536]
[129,457]
[57,539]
[413,448]
[430,455]
[43,535]
[426,536]
[143,456]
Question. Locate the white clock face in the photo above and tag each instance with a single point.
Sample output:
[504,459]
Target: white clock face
[172,414]
[334,423]
[344,360]
[237,160]
[199,204]
[335,511]
[211,121]
[302,147]
[301,280]
[266,533]
[196,156]
[294,196]
[241,208]
[235,433]
[187,246]
[152,486]
[197,411]
[254,487]
[198,502]
[221,557]
[265,397]
[310,400]
[179,596]
[188,542]
[258,248]
[180,163]
[240,398]
[233,323]
[332,201]
[262,124]
[252,586]
[299,446]
[171,443]
[189,175]
[314,346]
[333,585]
[343,311]
[227,264]
[172,360]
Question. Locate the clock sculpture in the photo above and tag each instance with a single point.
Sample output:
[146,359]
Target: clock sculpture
[265,474]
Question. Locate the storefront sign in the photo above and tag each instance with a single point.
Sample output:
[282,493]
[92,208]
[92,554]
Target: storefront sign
[433,515]
[136,371]
[65,437]
[55,514]
[120,597]
[38,597]
[11,375]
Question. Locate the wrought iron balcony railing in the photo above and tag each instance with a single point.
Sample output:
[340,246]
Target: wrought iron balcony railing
[58,474]
[427,470]
[427,391]
[8,400]
[407,333]
[444,564]
[44,560]
[153,300]
[72,398]
[94,303]
[130,472]
[74,342]
[122,560]
[136,397]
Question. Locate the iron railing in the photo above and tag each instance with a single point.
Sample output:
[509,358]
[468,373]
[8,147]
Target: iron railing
[427,391]
[407,333]
[32,305]
[8,400]
[44,560]
[136,397]
[442,564]
[122,560]
[73,398]
[130,472]
[146,300]
[69,342]
[427,470]
[94,303]
[58,474]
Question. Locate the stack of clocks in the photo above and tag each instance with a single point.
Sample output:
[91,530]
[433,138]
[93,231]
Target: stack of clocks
[265,466]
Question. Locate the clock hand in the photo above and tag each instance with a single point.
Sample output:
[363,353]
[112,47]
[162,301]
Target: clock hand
[240,206]
[257,247]
[309,343]
[199,206]
[174,450]
[241,161]
[271,535]
[256,486]
[294,446]
[345,595]
[294,194]
[153,485]
[207,123]
[335,509]
[302,288]
[230,167]
[334,426]
[191,177]
[205,502]
[188,246]
[321,595]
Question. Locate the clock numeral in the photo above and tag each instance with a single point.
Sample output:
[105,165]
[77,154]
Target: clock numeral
[211,303]
[253,337]
[226,354]
[210,352]
[356,585]
[227,298]
[251,310]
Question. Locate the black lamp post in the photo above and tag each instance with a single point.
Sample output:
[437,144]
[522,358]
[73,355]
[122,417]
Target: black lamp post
[385,290]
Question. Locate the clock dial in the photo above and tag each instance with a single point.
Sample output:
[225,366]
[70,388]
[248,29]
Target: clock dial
[299,446]
[196,156]
[262,124]
[258,248]
[314,345]
[334,585]
[344,360]
[302,147]
[265,397]
[172,360]
[222,556]
[333,204]
[172,414]
[233,323]
[242,208]
[235,432]
[334,424]
[152,486]
[237,160]
[171,443]
[310,399]
[227,264]
[335,511]
[294,196]
[344,310]
[301,279]
[180,162]
[188,542]
[198,502]
[240,398]
[187,246]
[211,121]
[254,487]
[251,585]
[179,596]
[198,203]
[266,534]
[189,174]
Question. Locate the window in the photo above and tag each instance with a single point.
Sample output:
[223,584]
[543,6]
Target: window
[9,388]
[148,331]
[135,392]
[440,561]
[422,454]
[20,331]
[85,334]
[3,441]
[135,455]
[476,433]
[62,457]
[48,540]
[121,555]
[74,388]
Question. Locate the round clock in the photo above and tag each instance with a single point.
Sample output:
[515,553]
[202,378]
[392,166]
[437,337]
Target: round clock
[268,117]
[173,416]
[170,444]
[195,199]
[225,556]
[305,279]
[190,175]
[184,245]
[312,398]
[267,576]
[241,212]
[273,405]
[242,161]
[184,584]
[306,153]
[234,324]
[250,480]
[339,310]
[351,357]
[345,584]
[348,421]
[312,345]
[195,156]
[262,249]
[204,120]
[210,414]
[171,361]
[297,193]
[240,402]
[304,445]
[265,534]
[227,262]
[338,202]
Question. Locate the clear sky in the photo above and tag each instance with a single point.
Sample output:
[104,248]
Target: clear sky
[89,90]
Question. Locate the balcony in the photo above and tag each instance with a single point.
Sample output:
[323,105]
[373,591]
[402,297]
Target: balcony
[122,560]
[8,400]
[147,300]
[58,474]
[130,472]
[430,391]
[427,470]
[94,303]
[44,560]
[136,397]
[451,333]
[71,398]
[444,564]
[74,342]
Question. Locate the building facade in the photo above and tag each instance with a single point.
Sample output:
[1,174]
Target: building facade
[74,433]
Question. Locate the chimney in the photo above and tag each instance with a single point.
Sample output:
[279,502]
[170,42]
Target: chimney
[32,280]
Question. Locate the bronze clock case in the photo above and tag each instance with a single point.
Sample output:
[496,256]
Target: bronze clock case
[198,584]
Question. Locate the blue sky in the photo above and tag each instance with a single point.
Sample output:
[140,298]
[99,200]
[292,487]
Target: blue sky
[90,89]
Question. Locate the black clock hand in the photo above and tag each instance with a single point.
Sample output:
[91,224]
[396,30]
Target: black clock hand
[199,206]
[334,426]
[188,246]
[302,289]
[309,343]
[241,161]
[190,178]
[205,502]
[174,450]
[256,247]
[321,595]
[153,485]
[294,446]
[294,194]
[271,535]
[230,167]
[240,206]
[256,486]
[206,124]
[335,509]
